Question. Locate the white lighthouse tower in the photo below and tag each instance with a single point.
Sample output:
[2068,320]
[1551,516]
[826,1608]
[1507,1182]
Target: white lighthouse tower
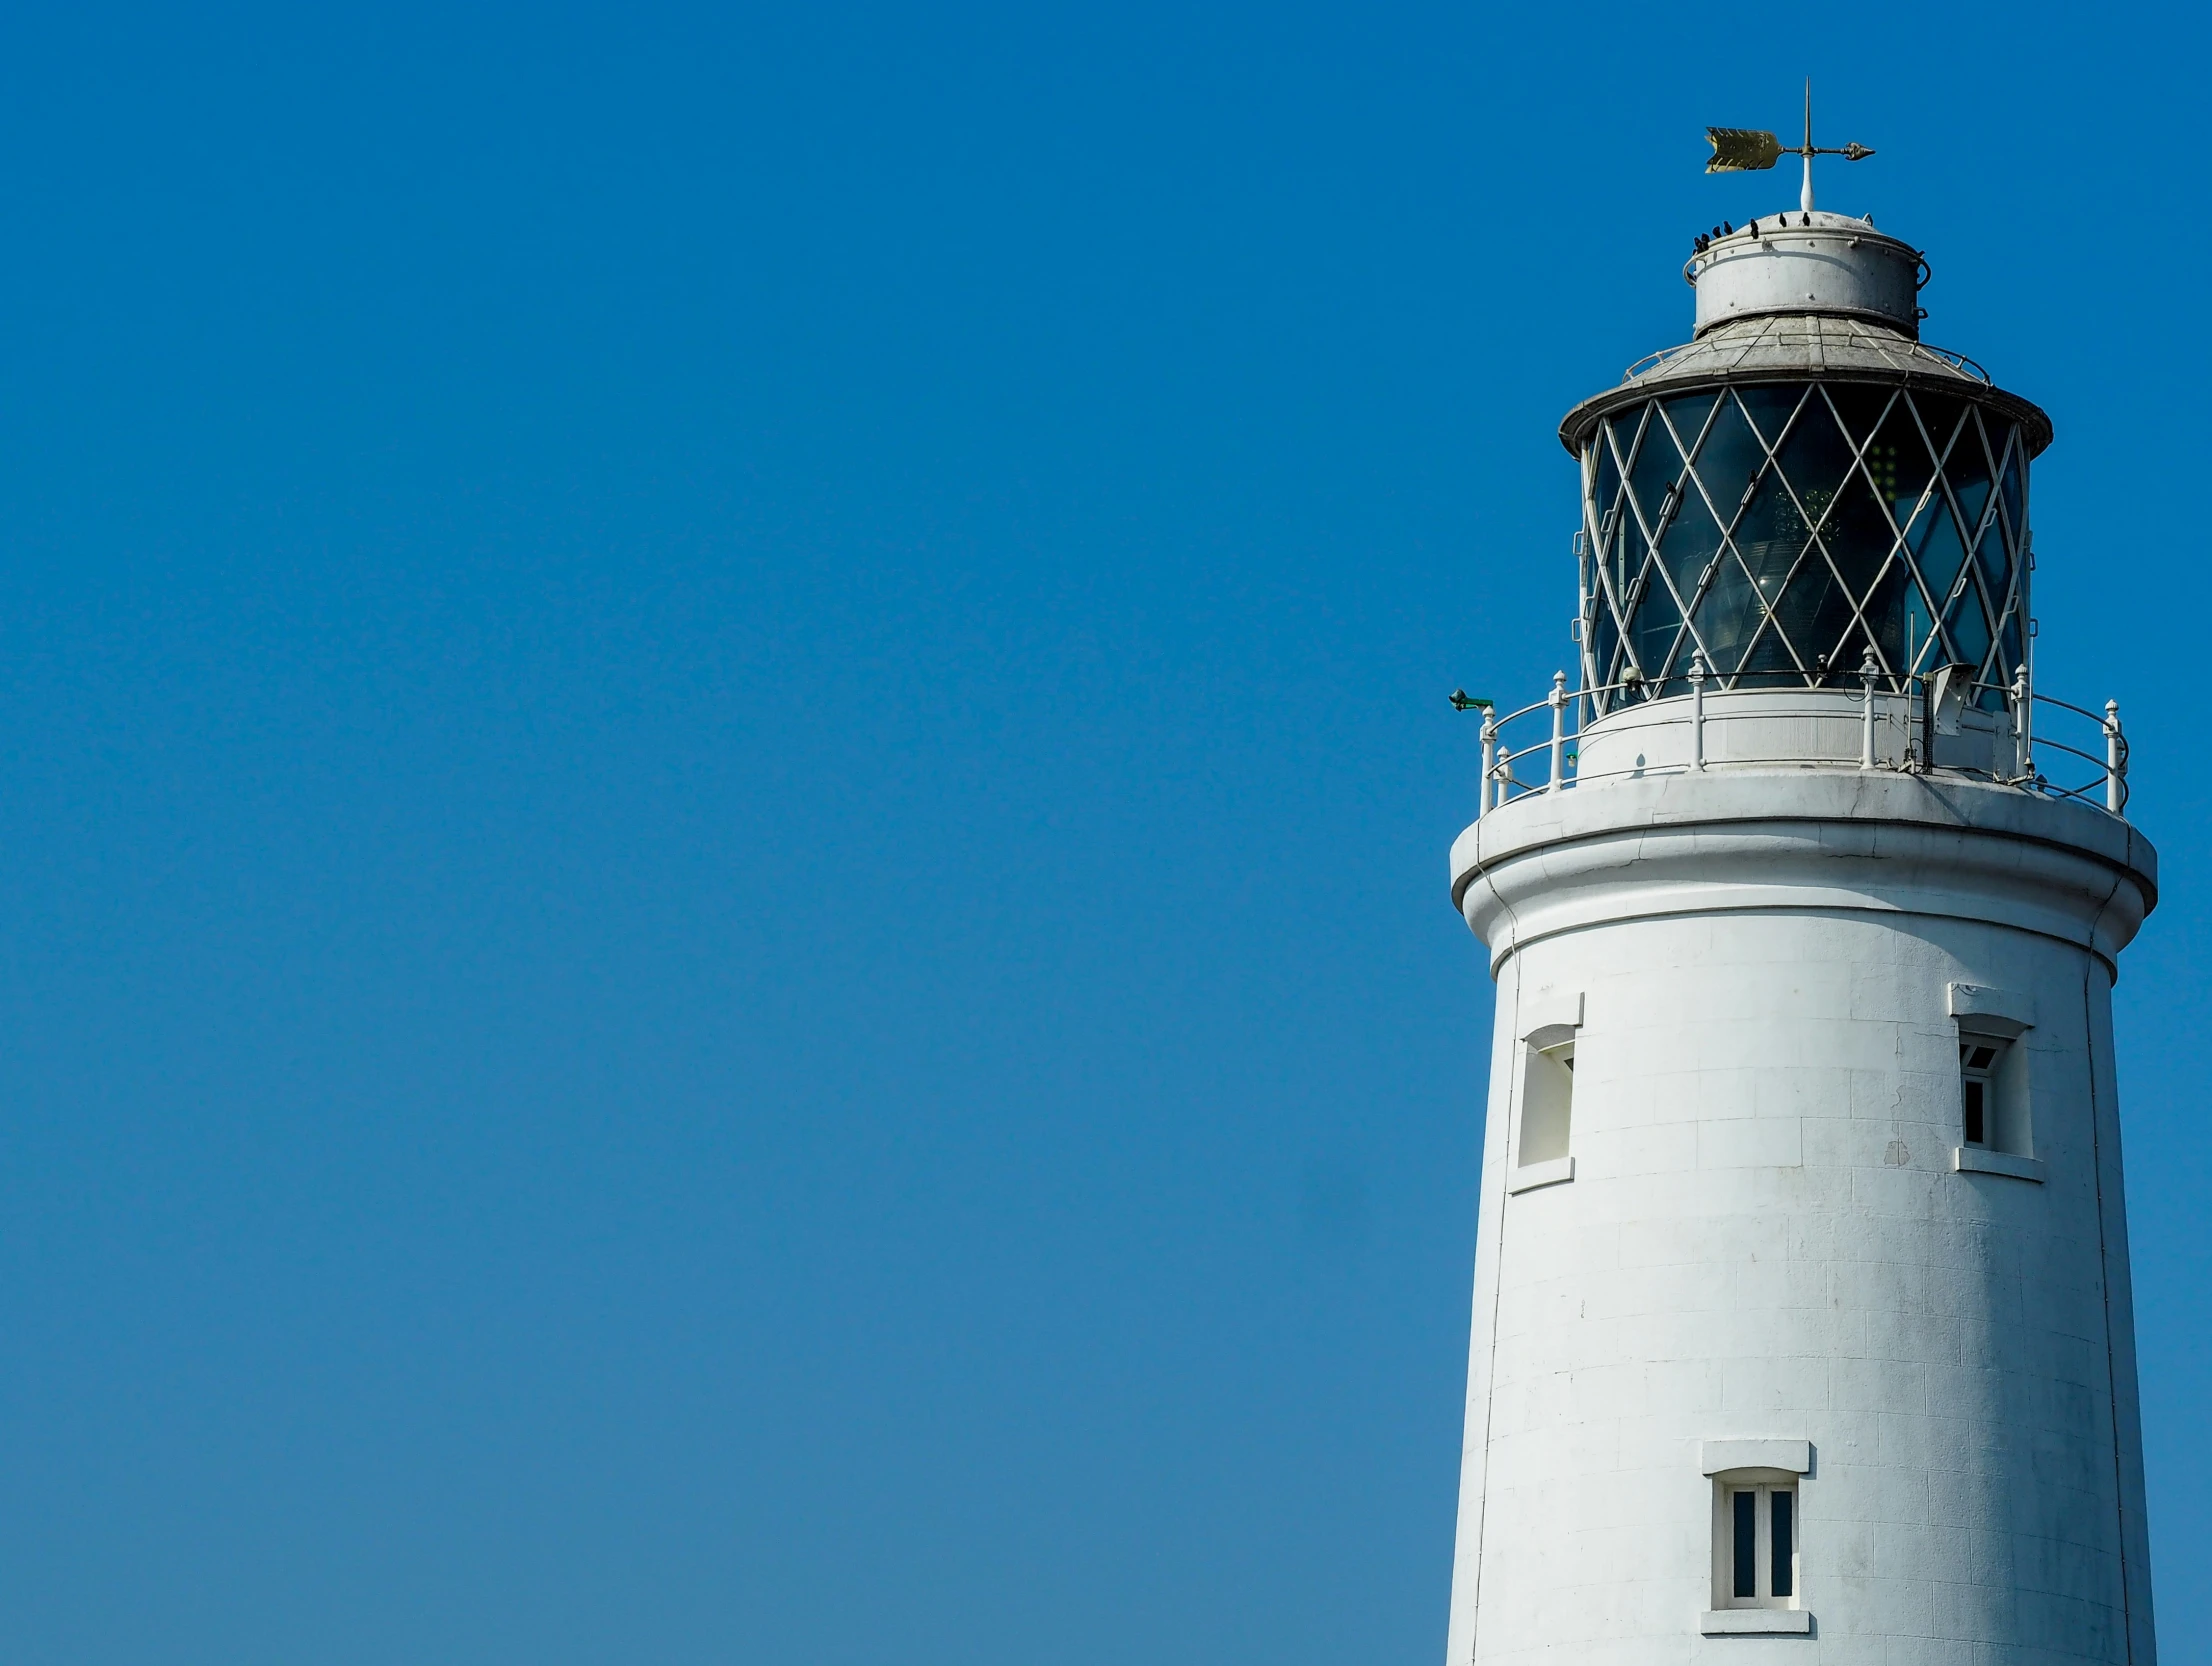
[1802,1328]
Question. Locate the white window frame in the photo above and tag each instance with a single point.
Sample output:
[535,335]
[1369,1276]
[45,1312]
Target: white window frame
[1998,1019]
[1983,1075]
[1762,1490]
[1765,1469]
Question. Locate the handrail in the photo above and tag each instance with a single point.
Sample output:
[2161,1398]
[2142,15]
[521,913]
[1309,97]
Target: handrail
[2068,705]
[1499,784]
[1959,362]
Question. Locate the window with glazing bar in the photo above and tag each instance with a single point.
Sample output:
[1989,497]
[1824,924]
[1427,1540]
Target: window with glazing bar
[1978,1089]
[1758,1563]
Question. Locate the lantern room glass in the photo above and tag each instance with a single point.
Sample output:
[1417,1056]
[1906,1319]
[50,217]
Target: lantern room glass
[1783,529]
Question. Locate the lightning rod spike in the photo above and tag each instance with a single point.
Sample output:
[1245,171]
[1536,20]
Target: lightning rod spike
[1805,195]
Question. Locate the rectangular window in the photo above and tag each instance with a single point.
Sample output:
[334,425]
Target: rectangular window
[1761,1553]
[1547,1097]
[1996,1121]
[1977,1087]
[1543,1119]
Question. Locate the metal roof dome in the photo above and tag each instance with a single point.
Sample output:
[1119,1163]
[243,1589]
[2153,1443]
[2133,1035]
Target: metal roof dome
[1785,347]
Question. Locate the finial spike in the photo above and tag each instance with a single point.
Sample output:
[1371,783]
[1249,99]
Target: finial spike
[1805,193]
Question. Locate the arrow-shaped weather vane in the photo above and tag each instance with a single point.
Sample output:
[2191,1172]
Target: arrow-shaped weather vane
[1739,150]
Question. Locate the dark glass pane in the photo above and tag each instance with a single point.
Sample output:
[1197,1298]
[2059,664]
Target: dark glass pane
[1997,571]
[1746,1547]
[1812,610]
[1770,661]
[1605,494]
[1686,416]
[1968,466]
[1653,476]
[1729,464]
[1727,457]
[1974,1114]
[1727,461]
[1622,436]
[1995,552]
[1784,1536]
[1605,480]
[1859,408]
[1939,552]
[1950,436]
[1653,623]
[1605,485]
[1605,643]
[1857,539]
[2015,493]
[1605,636]
[1605,583]
[1999,674]
[1605,646]
[1889,610]
[1898,462]
[1770,535]
[1980,521]
[1938,542]
[1691,543]
[1814,457]
[1974,487]
[1969,628]
[1770,409]
[1727,617]
[1857,535]
[1625,434]
[1918,651]
[1816,616]
[1626,429]
[1624,549]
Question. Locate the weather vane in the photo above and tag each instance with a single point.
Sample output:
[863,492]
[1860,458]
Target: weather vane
[1739,150]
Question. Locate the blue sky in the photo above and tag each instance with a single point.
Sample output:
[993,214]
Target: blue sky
[723,781]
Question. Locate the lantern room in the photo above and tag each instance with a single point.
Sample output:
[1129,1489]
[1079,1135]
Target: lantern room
[1804,484]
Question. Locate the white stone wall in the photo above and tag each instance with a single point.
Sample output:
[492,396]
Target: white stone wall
[1764,1236]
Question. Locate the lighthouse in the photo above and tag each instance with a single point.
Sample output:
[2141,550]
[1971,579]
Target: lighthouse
[1801,1325]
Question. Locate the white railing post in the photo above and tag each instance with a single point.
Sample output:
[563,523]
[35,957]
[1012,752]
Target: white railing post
[2115,759]
[1558,731]
[1869,669]
[1697,710]
[1489,762]
[2023,718]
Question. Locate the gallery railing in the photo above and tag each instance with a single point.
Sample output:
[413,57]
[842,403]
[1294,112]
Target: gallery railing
[2101,762]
